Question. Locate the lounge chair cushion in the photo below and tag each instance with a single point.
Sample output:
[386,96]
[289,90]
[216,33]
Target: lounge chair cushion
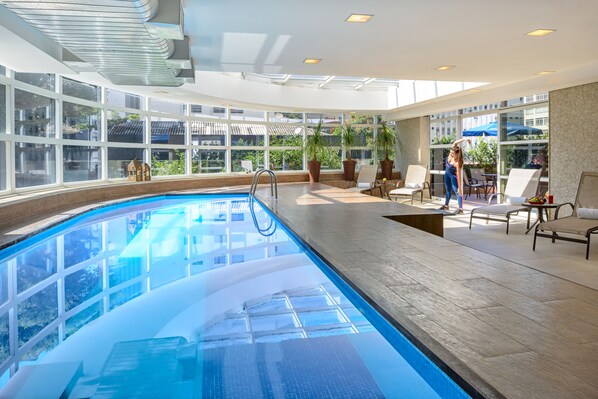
[569,224]
[412,185]
[500,209]
[587,213]
[364,185]
[510,200]
[404,191]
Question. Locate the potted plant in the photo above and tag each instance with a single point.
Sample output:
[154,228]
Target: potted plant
[385,140]
[314,144]
[348,134]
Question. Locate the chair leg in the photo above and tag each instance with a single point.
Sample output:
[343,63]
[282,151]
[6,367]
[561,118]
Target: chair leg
[588,248]
[535,236]
[470,219]
[528,215]
[508,224]
[421,196]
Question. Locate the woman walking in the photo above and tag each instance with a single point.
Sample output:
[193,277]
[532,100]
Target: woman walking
[452,176]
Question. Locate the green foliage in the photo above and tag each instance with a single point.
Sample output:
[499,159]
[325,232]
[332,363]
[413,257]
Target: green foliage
[286,159]
[386,138]
[483,153]
[444,139]
[348,136]
[361,119]
[315,145]
[169,167]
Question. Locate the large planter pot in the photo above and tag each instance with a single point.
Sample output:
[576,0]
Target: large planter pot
[349,169]
[386,166]
[313,168]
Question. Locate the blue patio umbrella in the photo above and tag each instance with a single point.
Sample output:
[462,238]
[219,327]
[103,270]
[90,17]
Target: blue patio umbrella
[491,129]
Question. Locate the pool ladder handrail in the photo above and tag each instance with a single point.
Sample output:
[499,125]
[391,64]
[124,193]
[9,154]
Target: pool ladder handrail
[265,232]
[273,182]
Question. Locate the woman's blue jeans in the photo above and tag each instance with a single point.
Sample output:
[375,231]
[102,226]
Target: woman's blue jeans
[451,184]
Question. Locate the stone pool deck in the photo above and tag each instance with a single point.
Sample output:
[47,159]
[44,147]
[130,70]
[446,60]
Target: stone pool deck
[507,329]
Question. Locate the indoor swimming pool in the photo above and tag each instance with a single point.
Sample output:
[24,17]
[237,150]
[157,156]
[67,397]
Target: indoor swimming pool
[193,296]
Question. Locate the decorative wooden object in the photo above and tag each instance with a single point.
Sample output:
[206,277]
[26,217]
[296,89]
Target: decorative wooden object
[147,172]
[135,171]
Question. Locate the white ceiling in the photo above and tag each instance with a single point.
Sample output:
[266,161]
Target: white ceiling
[405,40]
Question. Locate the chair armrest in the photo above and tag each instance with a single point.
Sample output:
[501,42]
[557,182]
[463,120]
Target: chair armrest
[558,208]
[495,195]
[400,183]
[426,185]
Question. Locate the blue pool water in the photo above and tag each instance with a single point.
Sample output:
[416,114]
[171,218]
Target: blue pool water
[193,297]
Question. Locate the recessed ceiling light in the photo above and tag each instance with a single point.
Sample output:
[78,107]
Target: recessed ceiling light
[312,60]
[362,18]
[545,72]
[445,67]
[540,32]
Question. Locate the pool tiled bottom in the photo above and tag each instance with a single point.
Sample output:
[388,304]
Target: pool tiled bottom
[326,367]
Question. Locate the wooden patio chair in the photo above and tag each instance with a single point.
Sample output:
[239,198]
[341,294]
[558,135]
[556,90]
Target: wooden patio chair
[583,220]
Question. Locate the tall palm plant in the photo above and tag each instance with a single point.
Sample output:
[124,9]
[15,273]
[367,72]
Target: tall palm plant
[313,145]
[348,135]
[386,138]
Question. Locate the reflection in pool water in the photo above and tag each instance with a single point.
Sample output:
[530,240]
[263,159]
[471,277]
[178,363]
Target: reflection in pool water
[181,296]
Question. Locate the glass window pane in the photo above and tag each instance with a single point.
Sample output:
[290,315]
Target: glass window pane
[360,119]
[329,136]
[526,124]
[43,80]
[37,312]
[330,158]
[285,136]
[2,109]
[2,70]
[207,112]
[286,160]
[34,114]
[208,133]
[81,286]
[226,327]
[35,164]
[167,131]
[247,134]
[41,349]
[3,283]
[363,156]
[3,165]
[81,163]
[208,161]
[167,107]
[286,117]
[527,156]
[36,265]
[80,319]
[255,156]
[121,270]
[325,118]
[247,115]
[125,100]
[80,122]
[443,132]
[82,90]
[119,158]
[4,338]
[124,127]
[168,162]
[82,244]
[125,295]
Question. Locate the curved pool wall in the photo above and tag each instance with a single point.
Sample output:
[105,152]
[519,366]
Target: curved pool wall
[145,290]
